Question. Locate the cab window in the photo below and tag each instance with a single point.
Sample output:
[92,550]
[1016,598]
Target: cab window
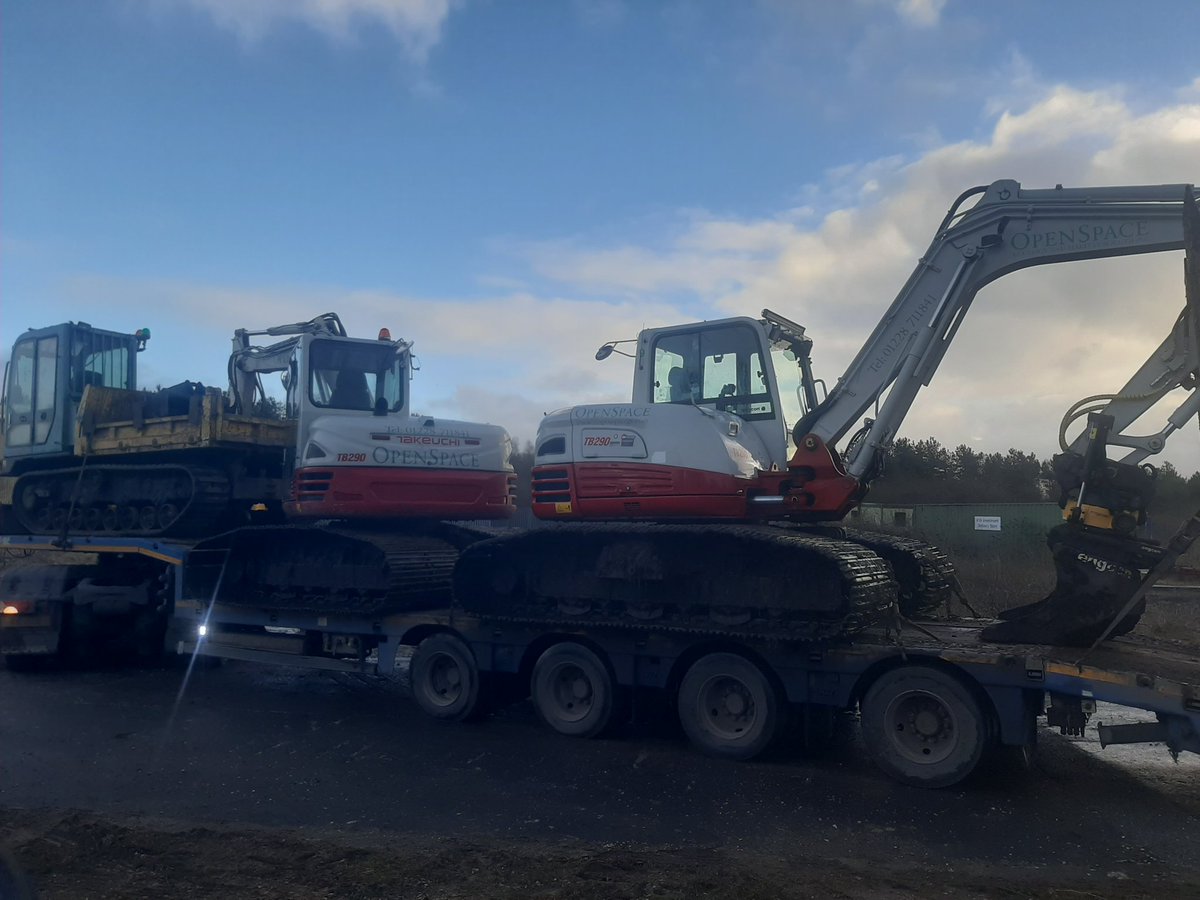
[676,370]
[99,360]
[32,378]
[722,367]
[355,376]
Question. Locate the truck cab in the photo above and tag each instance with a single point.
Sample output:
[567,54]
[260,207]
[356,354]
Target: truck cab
[45,379]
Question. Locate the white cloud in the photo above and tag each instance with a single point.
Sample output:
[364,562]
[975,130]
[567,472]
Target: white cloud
[922,13]
[415,24]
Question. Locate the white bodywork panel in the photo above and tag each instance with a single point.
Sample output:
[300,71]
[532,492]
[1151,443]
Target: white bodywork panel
[676,435]
[338,438]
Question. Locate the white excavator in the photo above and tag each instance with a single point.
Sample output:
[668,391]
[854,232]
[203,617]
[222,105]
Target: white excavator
[705,449]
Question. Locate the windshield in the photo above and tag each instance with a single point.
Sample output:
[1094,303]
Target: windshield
[720,365]
[787,373]
[358,376]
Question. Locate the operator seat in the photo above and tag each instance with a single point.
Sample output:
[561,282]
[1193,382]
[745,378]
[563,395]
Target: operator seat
[351,391]
[679,385]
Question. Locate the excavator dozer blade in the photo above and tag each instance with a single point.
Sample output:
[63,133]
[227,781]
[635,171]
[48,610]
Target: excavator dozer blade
[1098,574]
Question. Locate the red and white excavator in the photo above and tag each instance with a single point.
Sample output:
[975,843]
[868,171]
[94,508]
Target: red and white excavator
[728,425]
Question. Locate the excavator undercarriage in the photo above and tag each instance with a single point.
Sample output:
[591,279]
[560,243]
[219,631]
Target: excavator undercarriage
[339,569]
[160,500]
[745,580]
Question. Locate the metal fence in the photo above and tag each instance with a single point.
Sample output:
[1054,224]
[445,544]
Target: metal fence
[981,528]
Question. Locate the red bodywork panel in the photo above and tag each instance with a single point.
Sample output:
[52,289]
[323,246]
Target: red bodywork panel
[382,493]
[815,487]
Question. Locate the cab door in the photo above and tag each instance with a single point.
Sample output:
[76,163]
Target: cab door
[32,398]
[722,365]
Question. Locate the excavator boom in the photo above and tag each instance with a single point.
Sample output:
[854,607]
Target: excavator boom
[1010,228]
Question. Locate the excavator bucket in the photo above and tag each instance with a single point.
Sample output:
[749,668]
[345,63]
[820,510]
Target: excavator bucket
[1097,576]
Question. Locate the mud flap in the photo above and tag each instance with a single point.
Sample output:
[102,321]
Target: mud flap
[1097,576]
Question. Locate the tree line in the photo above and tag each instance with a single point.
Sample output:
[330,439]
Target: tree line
[926,472]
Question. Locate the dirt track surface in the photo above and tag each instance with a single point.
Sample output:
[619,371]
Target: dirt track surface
[269,782]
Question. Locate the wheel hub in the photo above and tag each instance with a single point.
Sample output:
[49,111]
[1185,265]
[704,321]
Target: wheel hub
[445,680]
[727,707]
[927,723]
[572,692]
[921,727]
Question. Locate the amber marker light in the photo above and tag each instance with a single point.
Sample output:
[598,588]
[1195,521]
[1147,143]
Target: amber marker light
[10,610]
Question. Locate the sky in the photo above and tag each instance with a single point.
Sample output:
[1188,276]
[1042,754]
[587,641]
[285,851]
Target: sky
[510,184]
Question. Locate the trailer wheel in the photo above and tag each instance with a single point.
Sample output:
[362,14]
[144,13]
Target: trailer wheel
[728,706]
[573,690]
[923,726]
[445,679]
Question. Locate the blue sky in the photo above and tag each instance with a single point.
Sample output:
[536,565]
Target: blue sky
[510,183]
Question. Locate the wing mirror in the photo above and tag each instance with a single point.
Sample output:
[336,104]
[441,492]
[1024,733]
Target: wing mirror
[611,347]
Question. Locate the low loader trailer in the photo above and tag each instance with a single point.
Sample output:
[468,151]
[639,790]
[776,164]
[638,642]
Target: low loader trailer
[933,698]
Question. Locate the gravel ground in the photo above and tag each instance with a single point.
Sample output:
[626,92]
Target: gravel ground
[77,855]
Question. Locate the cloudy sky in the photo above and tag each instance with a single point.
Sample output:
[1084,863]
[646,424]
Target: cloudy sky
[510,184]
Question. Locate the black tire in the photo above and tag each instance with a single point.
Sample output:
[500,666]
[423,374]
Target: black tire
[445,678]
[729,707]
[924,727]
[573,690]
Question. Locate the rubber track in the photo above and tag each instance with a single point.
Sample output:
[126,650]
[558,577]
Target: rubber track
[925,576]
[307,568]
[709,580]
[199,513]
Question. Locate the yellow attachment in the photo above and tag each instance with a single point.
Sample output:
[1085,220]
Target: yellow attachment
[1095,516]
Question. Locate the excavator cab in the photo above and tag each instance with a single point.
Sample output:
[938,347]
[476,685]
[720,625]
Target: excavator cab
[45,380]
[359,453]
[706,434]
[723,366]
